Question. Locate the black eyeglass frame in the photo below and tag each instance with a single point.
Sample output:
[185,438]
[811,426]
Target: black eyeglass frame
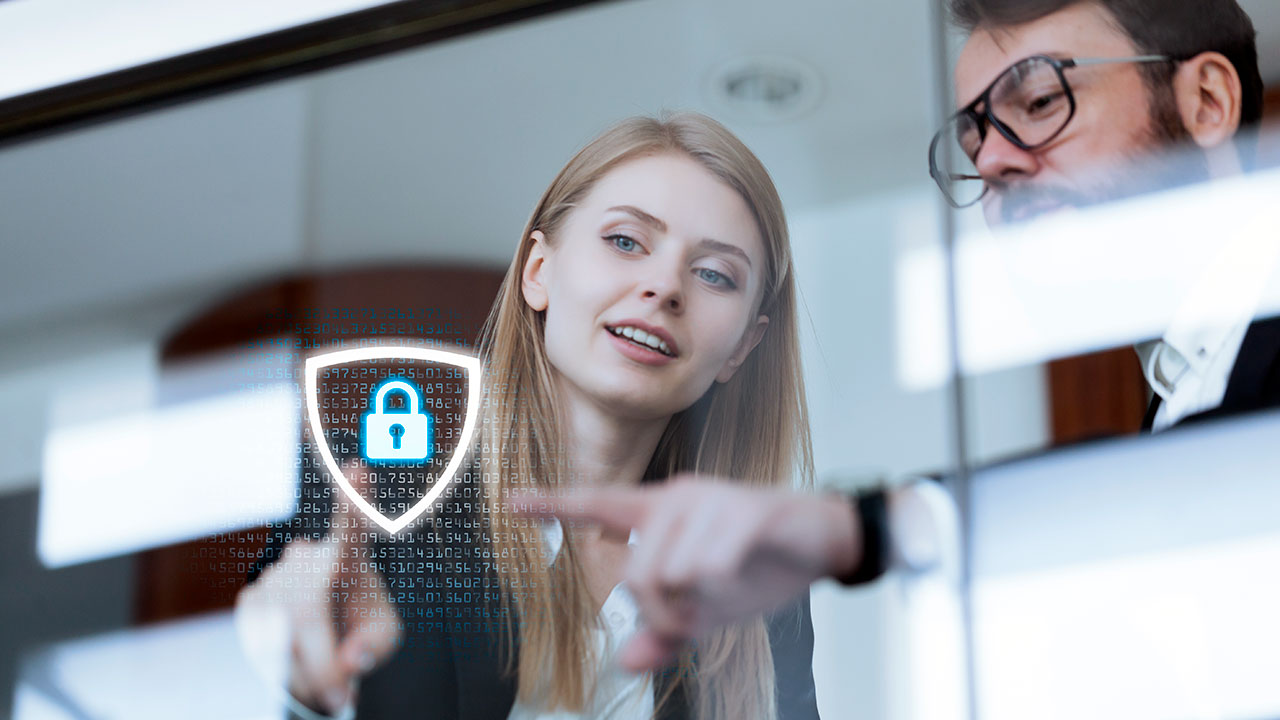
[984,99]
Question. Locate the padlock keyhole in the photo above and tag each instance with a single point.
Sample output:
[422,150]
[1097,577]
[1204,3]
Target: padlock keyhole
[397,431]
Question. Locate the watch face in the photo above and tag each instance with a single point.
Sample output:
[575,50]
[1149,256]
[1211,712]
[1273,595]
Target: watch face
[922,523]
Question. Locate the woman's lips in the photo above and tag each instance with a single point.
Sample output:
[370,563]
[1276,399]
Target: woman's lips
[672,348]
[642,354]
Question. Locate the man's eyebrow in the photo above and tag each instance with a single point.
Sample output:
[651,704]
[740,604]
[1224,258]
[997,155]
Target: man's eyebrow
[1055,54]
[640,215]
[724,247]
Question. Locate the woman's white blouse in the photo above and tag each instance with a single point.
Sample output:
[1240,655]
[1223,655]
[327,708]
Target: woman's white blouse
[618,695]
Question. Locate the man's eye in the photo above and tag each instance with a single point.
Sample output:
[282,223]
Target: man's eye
[623,243]
[971,130]
[970,144]
[1043,104]
[716,278]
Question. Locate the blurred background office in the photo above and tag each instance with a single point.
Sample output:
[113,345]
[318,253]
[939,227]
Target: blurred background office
[193,197]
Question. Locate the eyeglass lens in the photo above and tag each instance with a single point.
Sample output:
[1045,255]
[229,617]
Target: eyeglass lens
[1029,100]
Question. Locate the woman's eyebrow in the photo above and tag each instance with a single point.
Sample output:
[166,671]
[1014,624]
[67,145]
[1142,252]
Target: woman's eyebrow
[640,215]
[724,247]
[706,243]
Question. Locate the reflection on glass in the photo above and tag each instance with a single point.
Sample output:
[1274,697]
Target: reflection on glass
[1131,578]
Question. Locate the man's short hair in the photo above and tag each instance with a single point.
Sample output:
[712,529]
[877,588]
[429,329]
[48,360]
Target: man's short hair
[1180,29]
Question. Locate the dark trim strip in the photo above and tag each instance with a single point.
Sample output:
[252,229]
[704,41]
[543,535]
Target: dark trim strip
[274,56]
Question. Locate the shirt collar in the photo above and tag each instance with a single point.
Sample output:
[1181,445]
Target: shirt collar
[1182,354]
[1213,313]
[1200,345]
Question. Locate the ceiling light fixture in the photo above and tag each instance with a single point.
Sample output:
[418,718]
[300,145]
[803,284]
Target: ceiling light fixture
[765,89]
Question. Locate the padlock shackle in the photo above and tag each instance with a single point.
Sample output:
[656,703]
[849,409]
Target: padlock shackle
[379,401]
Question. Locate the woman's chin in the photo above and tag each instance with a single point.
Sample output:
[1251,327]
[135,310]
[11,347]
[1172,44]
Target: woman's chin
[638,403]
[631,392]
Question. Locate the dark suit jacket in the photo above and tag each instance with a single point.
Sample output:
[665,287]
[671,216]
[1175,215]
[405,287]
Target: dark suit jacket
[451,663]
[1254,383]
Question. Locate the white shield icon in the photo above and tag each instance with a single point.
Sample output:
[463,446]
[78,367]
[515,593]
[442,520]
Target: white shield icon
[316,364]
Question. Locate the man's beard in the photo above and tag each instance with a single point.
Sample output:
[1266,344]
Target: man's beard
[1164,157]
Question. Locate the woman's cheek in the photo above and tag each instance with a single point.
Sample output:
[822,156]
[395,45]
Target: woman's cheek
[726,335]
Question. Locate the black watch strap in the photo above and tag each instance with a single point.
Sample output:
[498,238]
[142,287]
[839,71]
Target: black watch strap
[873,522]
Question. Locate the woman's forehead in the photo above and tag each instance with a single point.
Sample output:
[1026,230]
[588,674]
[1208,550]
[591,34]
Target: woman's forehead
[686,197]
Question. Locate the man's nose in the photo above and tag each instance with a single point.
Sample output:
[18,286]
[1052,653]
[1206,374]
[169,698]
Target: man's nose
[1000,162]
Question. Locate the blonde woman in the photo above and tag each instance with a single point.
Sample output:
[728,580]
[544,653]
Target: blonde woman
[646,327]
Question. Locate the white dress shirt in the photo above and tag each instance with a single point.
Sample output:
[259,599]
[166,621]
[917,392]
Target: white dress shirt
[1189,370]
[617,695]
[1190,366]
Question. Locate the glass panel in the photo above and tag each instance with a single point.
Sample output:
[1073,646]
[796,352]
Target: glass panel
[167,275]
[1115,302]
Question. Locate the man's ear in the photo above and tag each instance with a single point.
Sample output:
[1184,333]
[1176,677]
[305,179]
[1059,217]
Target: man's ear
[532,283]
[1209,96]
[750,339]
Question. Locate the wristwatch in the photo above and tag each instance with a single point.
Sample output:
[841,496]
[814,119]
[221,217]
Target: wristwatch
[873,522]
[917,530]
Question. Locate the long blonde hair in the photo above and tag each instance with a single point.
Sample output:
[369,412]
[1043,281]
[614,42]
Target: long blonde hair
[753,429]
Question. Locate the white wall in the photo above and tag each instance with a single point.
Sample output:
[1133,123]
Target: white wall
[867,425]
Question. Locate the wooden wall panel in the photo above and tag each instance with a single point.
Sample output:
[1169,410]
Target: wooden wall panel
[1271,106]
[1096,395]
[1269,146]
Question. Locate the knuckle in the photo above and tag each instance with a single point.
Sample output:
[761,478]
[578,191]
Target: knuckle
[675,574]
[717,570]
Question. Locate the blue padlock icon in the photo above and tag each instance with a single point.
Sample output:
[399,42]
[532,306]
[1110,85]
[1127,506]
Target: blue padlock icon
[401,436]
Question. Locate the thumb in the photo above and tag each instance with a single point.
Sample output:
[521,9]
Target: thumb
[373,624]
[369,646]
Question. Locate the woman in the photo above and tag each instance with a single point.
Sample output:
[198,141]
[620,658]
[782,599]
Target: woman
[646,326]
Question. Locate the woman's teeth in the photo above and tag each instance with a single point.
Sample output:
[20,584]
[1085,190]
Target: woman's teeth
[641,337]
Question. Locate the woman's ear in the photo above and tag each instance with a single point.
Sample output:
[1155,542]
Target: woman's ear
[1208,92]
[750,339]
[531,279]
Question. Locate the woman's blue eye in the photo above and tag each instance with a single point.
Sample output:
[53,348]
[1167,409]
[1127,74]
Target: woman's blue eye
[623,243]
[716,278]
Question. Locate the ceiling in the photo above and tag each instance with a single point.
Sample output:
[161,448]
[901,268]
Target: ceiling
[439,153]
[445,150]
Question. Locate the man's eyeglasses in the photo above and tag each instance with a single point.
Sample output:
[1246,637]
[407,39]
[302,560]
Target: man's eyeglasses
[1030,104]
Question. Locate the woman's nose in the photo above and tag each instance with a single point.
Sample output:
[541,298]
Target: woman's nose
[665,286]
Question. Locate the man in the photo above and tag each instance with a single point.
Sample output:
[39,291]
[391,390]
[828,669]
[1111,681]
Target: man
[1062,103]
[1160,91]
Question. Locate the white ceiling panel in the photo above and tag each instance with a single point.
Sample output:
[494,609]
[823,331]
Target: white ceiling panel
[201,193]
[442,152]
[44,43]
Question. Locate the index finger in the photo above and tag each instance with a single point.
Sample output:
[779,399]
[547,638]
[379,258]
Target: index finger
[614,508]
